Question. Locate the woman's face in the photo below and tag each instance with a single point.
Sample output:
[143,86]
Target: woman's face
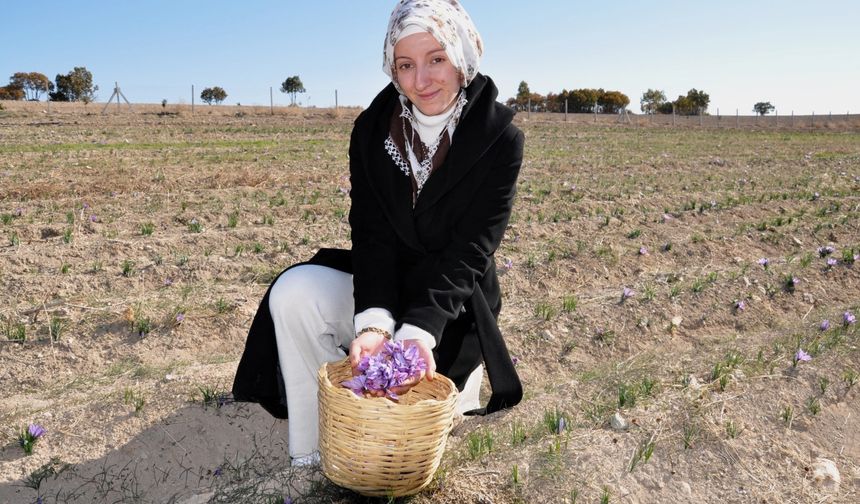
[424,73]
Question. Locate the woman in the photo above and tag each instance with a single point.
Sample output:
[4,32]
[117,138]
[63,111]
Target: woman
[433,165]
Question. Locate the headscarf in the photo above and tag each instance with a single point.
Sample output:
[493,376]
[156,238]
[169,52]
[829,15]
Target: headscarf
[447,22]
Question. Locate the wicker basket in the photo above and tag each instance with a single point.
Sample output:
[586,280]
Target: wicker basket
[377,447]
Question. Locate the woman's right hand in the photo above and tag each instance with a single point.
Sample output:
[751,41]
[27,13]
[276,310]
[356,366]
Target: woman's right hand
[366,344]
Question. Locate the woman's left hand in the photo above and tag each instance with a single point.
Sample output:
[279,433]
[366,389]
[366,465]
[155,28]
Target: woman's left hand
[426,354]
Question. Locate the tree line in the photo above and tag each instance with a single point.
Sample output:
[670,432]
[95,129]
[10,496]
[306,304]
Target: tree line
[77,85]
[601,101]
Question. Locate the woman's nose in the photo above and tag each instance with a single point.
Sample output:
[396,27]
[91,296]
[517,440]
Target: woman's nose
[422,77]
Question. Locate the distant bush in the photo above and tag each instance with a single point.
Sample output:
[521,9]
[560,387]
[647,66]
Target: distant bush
[214,94]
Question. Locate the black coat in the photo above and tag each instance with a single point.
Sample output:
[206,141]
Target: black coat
[431,266]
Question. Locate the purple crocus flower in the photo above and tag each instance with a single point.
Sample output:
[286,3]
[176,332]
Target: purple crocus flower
[741,305]
[168,282]
[831,262]
[93,218]
[387,369]
[36,431]
[85,205]
[19,212]
[643,251]
[288,500]
[848,318]
[180,318]
[515,360]
[508,264]
[764,262]
[825,251]
[627,293]
[801,356]
[217,471]
[825,325]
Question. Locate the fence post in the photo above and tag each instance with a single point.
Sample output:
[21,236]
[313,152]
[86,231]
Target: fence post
[565,110]
[812,123]
[529,113]
[192,98]
[792,118]
[271,101]
[776,117]
[737,118]
[335,99]
[673,114]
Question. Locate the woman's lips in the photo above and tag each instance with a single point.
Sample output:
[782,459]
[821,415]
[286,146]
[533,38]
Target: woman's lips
[427,97]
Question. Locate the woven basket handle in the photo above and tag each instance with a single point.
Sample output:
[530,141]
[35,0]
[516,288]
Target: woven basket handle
[507,391]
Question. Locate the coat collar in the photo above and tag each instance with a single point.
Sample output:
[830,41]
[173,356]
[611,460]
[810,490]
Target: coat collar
[481,123]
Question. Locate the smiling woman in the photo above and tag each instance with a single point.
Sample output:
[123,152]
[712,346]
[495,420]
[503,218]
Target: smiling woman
[434,162]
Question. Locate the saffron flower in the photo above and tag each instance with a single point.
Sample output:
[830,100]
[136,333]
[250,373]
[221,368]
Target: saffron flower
[27,438]
[825,325]
[515,360]
[627,293]
[19,212]
[168,282]
[764,262]
[740,305]
[848,318]
[801,356]
[218,471]
[643,251]
[831,262]
[825,251]
[180,318]
[389,368]
[508,264]
[93,218]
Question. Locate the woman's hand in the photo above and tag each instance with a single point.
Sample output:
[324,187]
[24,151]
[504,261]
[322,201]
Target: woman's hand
[426,354]
[366,344]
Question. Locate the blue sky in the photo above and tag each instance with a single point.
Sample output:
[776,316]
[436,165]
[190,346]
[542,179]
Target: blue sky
[799,55]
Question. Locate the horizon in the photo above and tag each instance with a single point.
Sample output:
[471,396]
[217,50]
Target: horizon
[798,59]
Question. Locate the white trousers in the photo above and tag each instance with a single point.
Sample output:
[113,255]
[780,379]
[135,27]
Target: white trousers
[312,309]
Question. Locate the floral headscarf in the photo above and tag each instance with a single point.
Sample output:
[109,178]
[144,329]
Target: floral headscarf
[449,24]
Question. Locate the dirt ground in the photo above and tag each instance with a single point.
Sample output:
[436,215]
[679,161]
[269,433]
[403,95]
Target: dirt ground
[134,249]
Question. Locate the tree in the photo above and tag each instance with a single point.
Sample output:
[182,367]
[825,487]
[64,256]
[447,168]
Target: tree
[699,101]
[613,102]
[292,86]
[694,103]
[33,84]
[215,94]
[11,92]
[763,108]
[652,100]
[76,85]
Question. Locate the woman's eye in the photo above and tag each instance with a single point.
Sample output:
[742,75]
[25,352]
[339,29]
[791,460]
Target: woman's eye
[438,60]
[404,66]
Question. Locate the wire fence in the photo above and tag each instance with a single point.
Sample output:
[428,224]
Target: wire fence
[773,121]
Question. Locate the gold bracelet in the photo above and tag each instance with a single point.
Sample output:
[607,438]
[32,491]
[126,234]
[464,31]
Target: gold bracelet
[376,330]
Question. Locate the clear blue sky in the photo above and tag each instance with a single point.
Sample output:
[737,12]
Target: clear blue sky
[799,55]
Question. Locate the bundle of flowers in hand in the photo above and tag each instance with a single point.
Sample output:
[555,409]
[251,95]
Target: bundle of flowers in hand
[387,370]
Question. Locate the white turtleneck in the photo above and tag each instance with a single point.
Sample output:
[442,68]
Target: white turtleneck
[429,127]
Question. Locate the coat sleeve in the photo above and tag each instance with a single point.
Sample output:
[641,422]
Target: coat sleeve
[451,275]
[373,239]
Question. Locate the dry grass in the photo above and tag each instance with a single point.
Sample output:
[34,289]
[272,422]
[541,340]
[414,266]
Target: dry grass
[195,214]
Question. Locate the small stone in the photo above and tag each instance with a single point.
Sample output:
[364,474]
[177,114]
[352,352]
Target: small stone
[618,422]
[693,383]
[808,298]
[170,377]
[738,374]
[685,488]
[546,335]
[676,321]
[825,475]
